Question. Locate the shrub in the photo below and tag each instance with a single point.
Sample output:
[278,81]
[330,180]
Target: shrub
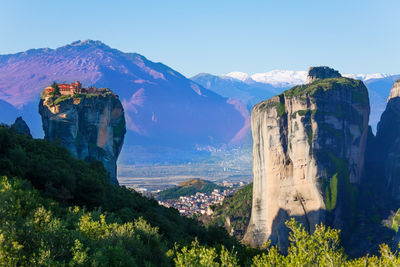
[62,98]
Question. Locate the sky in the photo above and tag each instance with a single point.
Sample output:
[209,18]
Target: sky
[217,36]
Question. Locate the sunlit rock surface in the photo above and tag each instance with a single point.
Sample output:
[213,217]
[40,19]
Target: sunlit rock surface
[308,152]
[91,126]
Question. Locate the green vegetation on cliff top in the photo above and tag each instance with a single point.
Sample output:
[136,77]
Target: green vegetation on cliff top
[329,84]
[61,98]
[359,93]
[188,188]
[56,98]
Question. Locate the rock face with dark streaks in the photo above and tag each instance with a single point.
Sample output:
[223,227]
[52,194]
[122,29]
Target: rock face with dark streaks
[89,123]
[388,143]
[308,155]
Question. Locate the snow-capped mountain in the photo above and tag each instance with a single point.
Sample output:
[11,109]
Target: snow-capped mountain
[288,78]
[366,77]
[281,78]
[237,86]
[241,76]
[251,89]
[276,78]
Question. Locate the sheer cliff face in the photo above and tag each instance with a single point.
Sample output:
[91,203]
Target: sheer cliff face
[388,141]
[91,126]
[308,152]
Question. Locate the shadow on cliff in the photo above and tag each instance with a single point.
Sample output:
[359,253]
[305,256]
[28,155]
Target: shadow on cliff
[365,216]
[279,231]
[364,236]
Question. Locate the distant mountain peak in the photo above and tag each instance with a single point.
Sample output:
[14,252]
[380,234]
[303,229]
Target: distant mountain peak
[288,78]
[278,78]
[162,107]
[202,74]
[88,42]
[241,76]
[281,78]
[370,76]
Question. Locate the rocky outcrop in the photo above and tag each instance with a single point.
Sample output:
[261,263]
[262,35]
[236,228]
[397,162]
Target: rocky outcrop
[395,91]
[91,126]
[388,143]
[20,127]
[164,110]
[315,73]
[308,153]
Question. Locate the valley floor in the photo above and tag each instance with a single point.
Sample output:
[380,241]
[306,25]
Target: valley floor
[159,177]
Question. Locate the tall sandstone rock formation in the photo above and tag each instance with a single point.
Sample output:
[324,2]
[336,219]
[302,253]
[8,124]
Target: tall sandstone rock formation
[91,126]
[388,144]
[308,155]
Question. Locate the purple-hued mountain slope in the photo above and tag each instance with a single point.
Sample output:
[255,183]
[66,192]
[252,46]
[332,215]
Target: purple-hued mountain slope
[162,106]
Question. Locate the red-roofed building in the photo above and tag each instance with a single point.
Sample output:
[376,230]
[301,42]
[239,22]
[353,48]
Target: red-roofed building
[67,89]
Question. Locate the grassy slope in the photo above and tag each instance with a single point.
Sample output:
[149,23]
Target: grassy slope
[189,187]
[329,84]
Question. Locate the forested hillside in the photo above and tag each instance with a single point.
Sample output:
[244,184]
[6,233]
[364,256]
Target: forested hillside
[234,212]
[57,210]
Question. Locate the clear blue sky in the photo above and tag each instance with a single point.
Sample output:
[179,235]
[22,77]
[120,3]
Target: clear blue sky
[217,36]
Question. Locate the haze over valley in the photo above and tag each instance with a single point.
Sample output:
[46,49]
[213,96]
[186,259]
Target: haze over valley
[172,121]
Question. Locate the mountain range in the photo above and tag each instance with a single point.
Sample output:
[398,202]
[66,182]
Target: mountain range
[163,108]
[252,89]
[166,112]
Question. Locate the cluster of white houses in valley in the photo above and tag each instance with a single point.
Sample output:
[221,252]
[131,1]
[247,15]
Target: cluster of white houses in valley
[197,204]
